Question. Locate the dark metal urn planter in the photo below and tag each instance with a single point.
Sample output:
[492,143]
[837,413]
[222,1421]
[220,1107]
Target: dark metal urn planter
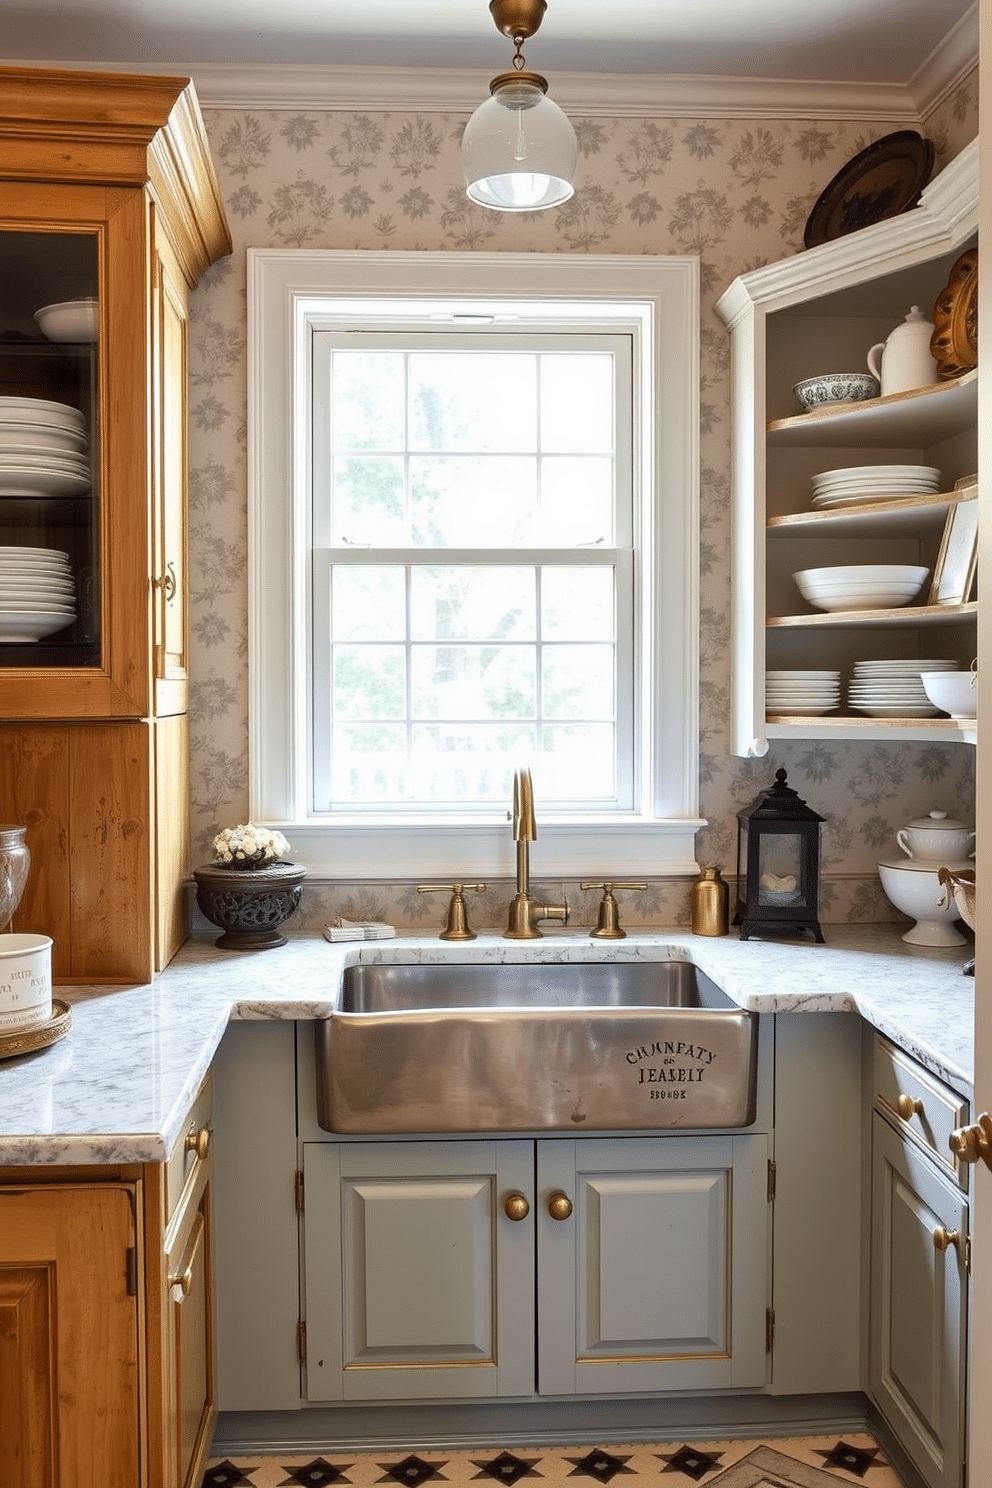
[249,904]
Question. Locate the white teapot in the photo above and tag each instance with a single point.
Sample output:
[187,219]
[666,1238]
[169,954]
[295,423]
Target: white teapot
[905,360]
[936,839]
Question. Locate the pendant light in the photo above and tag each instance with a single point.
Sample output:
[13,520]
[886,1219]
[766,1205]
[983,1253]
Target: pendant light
[519,151]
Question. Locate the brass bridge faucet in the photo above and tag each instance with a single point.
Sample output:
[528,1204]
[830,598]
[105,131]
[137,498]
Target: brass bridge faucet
[525,911]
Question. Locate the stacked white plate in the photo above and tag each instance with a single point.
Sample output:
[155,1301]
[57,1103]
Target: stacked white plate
[43,448]
[858,483]
[893,689]
[37,593]
[809,692]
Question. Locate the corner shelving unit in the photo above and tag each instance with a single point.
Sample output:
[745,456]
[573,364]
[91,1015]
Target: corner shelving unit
[820,311]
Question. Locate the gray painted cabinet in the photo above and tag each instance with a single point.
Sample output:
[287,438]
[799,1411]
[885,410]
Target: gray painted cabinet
[641,1262]
[919,1269]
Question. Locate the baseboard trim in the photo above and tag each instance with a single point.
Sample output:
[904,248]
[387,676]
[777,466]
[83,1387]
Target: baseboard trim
[387,1426]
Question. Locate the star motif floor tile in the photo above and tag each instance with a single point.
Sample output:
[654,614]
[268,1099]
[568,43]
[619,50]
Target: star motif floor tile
[797,1462]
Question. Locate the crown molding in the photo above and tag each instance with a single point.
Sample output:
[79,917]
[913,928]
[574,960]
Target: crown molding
[587,94]
[948,64]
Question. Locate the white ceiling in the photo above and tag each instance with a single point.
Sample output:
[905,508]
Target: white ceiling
[841,41]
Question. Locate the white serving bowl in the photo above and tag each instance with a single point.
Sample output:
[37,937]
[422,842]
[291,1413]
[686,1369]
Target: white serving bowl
[836,387]
[867,586]
[954,692]
[916,890]
[72,320]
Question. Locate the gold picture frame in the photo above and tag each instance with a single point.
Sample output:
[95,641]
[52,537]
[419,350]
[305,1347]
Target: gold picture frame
[957,560]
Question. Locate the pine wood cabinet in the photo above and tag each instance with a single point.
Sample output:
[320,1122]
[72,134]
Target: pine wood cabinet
[106,1321]
[109,194]
[436,1269]
[819,312]
[69,1332]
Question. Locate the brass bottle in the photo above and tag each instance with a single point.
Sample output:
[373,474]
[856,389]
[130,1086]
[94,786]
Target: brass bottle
[710,902]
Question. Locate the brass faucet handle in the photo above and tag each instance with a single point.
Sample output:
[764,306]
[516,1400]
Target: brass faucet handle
[456,926]
[608,924]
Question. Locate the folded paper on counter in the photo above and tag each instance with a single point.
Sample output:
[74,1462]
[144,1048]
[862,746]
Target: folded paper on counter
[342,929]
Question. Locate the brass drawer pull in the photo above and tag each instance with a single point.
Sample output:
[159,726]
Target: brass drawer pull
[943,1239]
[199,1143]
[559,1206]
[515,1206]
[908,1107]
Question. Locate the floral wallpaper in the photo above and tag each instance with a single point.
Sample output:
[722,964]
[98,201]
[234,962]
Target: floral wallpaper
[736,192]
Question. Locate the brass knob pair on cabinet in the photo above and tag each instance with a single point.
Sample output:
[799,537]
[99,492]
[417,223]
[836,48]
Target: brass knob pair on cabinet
[515,1206]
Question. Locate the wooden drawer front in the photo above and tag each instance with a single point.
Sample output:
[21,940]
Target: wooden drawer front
[919,1105]
[191,1148]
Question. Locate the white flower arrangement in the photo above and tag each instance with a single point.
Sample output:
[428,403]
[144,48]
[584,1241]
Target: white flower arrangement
[248,846]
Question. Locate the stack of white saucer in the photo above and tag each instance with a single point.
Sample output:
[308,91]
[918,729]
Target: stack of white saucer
[809,692]
[37,593]
[894,689]
[858,483]
[43,448]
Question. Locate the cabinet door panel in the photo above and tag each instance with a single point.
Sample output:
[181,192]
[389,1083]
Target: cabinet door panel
[918,1305]
[69,1391]
[687,1217]
[192,1344]
[417,1283]
[657,1279]
[28,1428]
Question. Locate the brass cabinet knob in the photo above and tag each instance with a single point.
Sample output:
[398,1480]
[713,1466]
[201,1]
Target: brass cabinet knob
[559,1206]
[942,1238]
[515,1206]
[908,1107]
[199,1143]
[971,1143]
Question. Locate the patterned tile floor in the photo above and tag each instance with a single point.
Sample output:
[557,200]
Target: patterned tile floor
[801,1462]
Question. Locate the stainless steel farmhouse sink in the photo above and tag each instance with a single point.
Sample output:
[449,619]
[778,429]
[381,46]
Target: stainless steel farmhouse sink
[536,1046]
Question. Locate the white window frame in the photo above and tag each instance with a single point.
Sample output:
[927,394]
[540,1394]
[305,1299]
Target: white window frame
[660,297]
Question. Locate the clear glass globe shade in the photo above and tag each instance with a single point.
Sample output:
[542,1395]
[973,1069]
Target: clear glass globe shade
[519,150]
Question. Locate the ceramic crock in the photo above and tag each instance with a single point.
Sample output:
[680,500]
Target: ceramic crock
[936,839]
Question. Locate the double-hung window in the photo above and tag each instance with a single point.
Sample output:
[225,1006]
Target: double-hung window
[473,547]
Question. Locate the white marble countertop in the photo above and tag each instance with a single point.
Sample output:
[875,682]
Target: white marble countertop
[119,1086]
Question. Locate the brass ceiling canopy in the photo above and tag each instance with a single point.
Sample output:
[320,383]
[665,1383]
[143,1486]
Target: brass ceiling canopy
[517,17]
[519,151]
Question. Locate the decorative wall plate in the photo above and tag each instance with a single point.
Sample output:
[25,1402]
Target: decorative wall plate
[954,342]
[881,182]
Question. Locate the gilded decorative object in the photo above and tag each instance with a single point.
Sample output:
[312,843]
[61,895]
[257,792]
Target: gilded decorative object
[710,904]
[29,1040]
[954,343]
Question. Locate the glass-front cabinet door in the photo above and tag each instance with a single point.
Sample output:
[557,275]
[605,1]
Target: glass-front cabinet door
[49,450]
[80,512]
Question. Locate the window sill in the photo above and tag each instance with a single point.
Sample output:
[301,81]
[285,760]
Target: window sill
[369,850]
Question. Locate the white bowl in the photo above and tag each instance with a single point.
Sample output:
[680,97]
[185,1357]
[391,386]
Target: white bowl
[917,892]
[955,693]
[836,387]
[867,586]
[72,320]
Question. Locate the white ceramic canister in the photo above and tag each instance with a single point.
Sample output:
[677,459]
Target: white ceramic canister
[905,360]
[936,838]
[25,981]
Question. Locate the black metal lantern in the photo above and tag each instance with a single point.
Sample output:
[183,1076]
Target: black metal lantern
[778,864]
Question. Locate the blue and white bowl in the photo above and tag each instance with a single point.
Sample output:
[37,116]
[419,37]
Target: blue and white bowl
[836,387]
